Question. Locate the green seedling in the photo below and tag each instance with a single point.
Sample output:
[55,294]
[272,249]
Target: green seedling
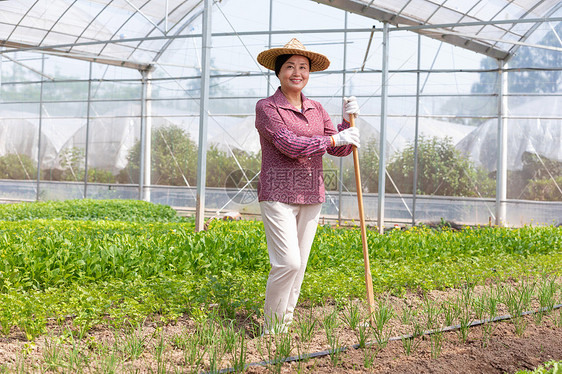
[517,300]
[451,313]
[362,333]
[306,326]
[53,355]
[410,344]
[159,350]
[488,329]
[493,299]
[479,305]
[351,315]
[407,315]
[369,356]
[229,336]
[465,319]
[108,359]
[432,312]
[279,347]
[193,354]
[77,357]
[134,343]
[239,354]
[381,317]
[463,304]
[557,317]
[207,332]
[215,358]
[546,297]
[331,325]
[436,343]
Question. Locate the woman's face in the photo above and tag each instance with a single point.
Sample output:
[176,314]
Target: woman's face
[294,74]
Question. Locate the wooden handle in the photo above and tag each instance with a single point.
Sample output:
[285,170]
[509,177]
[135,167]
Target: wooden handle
[368,277]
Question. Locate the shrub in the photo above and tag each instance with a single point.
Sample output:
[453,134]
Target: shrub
[544,190]
[88,209]
[16,166]
[442,170]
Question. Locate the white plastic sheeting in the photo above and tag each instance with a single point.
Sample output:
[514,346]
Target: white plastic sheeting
[532,135]
[111,138]
[20,136]
[483,26]
[112,31]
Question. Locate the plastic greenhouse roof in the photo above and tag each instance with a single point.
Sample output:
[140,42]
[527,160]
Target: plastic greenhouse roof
[495,28]
[134,33]
[129,33]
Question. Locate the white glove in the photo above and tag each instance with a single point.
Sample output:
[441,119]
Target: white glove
[347,136]
[350,106]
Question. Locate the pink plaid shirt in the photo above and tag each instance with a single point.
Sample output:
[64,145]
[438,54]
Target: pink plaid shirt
[292,144]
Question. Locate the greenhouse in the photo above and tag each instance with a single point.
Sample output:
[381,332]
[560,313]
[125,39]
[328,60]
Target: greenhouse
[281,186]
[460,104]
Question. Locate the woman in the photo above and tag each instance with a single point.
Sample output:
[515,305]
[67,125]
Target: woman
[294,134]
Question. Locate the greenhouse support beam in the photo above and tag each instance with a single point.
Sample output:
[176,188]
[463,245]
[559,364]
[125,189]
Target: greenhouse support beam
[416,136]
[501,170]
[382,149]
[146,136]
[203,117]
[385,16]
[87,145]
[59,49]
[40,130]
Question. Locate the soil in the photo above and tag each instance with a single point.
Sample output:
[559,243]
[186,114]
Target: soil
[506,353]
[501,351]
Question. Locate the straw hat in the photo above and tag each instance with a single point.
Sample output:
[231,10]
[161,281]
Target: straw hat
[318,61]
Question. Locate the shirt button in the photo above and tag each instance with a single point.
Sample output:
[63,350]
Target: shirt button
[310,174]
[310,158]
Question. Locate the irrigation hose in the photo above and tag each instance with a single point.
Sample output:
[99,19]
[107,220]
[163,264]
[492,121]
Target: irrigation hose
[327,352]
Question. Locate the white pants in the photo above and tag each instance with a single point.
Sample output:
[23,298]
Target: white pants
[290,231]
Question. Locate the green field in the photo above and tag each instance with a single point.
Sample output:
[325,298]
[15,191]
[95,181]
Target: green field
[111,262]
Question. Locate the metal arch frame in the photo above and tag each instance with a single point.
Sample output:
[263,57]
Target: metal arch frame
[349,5]
[508,30]
[396,19]
[533,28]
[465,15]
[440,6]
[177,33]
[171,40]
[47,31]
[131,16]
[21,19]
[89,24]
[139,11]
[474,44]
[165,19]
[98,57]
[56,22]
[57,48]
[493,17]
